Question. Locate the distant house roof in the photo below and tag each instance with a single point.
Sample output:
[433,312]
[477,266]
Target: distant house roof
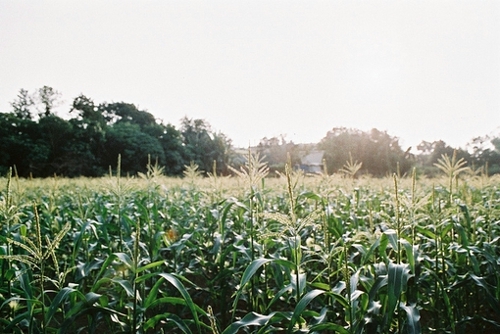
[313,158]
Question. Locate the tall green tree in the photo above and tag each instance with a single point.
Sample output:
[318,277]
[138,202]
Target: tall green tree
[89,138]
[127,112]
[203,146]
[171,142]
[133,145]
[58,135]
[275,152]
[88,111]
[22,105]
[22,146]
[379,153]
[49,98]
[431,152]
[92,139]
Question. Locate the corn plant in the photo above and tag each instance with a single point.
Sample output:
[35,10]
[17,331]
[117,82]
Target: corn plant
[36,256]
[250,254]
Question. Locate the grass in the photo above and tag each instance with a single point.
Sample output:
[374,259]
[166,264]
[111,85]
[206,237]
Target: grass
[250,253]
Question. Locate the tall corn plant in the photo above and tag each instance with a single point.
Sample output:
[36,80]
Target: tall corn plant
[290,228]
[9,215]
[351,168]
[119,191]
[452,168]
[376,295]
[34,264]
[151,206]
[253,174]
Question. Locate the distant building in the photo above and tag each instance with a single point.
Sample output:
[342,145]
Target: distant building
[312,162]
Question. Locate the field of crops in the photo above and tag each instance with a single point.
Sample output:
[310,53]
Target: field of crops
[248,254]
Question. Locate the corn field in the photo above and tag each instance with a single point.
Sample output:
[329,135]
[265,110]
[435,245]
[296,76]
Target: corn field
[251,253]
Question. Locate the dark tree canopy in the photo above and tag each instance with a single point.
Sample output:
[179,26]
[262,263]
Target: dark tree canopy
[39,143]
[203,146]
[49,98]
[379,152]
[276,150]
[21,107]
[89,142]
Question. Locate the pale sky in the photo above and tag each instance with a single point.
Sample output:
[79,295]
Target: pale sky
[420,70]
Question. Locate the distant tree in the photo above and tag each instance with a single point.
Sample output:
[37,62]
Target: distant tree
[431,152]
[126,112]
[491,156]
[57,134]
[22,145]
[22,105]
[92,140]
[171,142]
[49,98]
[88,111]
[89,135]
[203,146]
[440,148]
[220,152]
[275,151]
[379,153]
[133,145]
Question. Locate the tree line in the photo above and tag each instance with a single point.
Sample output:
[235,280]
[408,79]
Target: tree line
[39,143]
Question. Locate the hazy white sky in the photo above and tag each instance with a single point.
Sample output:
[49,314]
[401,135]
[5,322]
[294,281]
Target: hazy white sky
[422,70]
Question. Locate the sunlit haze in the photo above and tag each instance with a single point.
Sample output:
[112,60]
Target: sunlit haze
[420,70]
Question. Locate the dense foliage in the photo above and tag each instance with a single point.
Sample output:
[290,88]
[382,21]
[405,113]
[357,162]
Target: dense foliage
[251,254]
[37,142]
[90,142]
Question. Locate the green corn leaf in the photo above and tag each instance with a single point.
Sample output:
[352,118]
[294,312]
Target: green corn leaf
[278,295]
[397,277]
[56,302]
[91,298]
[302,282]
[182,290]
[492,300]
[82,309]
[25,316]
[309,195]
[380,280]
[109,260]
[247,275]
[447,227]
[464,240]
[125,285]
[369,253]
[329,328]
[152,294]
[302,304]
[151,322]
[169,300]
[86,301]
[425,231]
[150,266]
[125,259]
[341,299]
[254,319]
[409,254]
[412,318]
[319,285]
[393,238]
[465,211]
[382,247]
[251,270]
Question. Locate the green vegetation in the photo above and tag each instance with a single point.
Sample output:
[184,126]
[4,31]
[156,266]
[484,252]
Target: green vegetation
[38,143]
[295,254]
